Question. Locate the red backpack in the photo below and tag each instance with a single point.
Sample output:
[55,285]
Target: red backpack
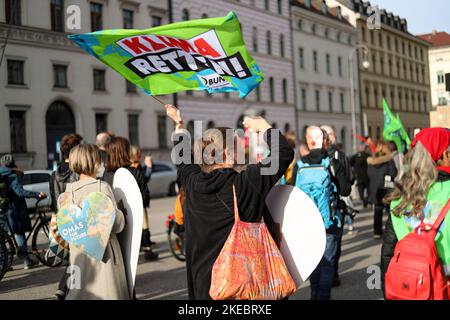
[415,271]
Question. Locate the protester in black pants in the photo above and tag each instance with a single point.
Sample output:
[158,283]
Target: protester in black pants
[58,181]
[381,172]
[359,164]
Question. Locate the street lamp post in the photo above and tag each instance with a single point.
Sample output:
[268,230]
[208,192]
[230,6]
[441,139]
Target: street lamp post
[365,65]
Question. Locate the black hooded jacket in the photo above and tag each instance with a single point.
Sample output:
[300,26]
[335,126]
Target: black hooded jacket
[58,182]
[208,210]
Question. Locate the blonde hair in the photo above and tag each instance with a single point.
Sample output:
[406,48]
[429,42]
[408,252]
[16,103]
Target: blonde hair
[413,187]
[85,159]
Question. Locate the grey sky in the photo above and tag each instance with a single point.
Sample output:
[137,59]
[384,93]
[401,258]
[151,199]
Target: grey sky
[423,16]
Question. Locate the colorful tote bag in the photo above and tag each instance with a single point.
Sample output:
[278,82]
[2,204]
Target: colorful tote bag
[250,265]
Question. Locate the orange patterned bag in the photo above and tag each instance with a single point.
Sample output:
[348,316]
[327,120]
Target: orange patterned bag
[250,266]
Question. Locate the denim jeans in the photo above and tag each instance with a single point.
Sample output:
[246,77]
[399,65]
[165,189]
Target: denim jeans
[322,277]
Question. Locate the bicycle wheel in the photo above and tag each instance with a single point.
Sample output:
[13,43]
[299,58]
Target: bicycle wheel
[10,247]
[4,260]
[175,243]
[40,241]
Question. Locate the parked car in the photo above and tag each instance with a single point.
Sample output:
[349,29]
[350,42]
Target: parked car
[164,179]
[38,181]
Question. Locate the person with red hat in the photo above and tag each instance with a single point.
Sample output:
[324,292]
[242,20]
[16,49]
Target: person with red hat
[421,195]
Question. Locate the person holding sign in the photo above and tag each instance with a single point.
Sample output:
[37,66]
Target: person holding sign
[91,278]
[208,210]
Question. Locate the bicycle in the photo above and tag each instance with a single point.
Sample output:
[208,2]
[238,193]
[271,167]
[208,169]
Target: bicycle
[175,236]
[3,258]
[39,234]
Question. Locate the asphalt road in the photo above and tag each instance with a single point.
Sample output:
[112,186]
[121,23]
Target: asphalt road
[166,278]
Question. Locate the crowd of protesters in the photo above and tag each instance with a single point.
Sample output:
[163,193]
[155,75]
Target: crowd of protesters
[410,188]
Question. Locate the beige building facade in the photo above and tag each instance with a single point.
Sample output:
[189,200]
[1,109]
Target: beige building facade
[398,70]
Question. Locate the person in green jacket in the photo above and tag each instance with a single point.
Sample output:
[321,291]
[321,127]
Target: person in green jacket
[421,194]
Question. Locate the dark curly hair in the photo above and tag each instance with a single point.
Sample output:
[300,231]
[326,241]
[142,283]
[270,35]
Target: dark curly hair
[68,142]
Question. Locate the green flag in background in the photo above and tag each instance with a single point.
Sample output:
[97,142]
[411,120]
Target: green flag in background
[394,130]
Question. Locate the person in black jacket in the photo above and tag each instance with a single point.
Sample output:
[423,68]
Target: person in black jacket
[429,170]
[359,164]
[119,156]
[58,182]
[208,210]
[382,172]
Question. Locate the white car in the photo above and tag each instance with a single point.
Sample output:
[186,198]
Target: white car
[37,181]
[164,179]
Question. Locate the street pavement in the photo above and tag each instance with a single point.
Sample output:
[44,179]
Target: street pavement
[166,278]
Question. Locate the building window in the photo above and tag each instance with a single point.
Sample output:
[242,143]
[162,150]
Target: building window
[326,33]
[13,12]
[127,16]
[338,37]
[162,131]
[17,131]
[340,67]
[342,98]
[16,72]
[300,24]
[204,16]
[258,93]
[280,7]
[282,45]
[367,91]
[210,125]
[328,63]
[375,95]
[255,39]
[269,42]
[99,80]
[266,5]
[304,99]
[59,76]
[96,16]
[315,62]
[363,34]
[313,28]
[380,39]
[330,101]
[133,129]
[156,21]
[301,56]
[285,93]
[440,77]
[271,90]
[130,87]
[343,136]
[185,15]
[317,100]
[101,122]
[57,15]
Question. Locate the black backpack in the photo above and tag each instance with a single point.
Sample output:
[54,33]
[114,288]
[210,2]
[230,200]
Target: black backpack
[4,193]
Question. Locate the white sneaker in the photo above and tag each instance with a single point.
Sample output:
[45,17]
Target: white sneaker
[350,228]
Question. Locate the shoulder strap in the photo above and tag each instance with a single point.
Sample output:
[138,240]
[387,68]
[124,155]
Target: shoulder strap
[442,215]
[236,210]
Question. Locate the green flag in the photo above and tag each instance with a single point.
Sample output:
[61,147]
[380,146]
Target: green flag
[206,54]
[394,131]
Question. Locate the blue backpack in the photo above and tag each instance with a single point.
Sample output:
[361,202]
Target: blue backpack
[315,181]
